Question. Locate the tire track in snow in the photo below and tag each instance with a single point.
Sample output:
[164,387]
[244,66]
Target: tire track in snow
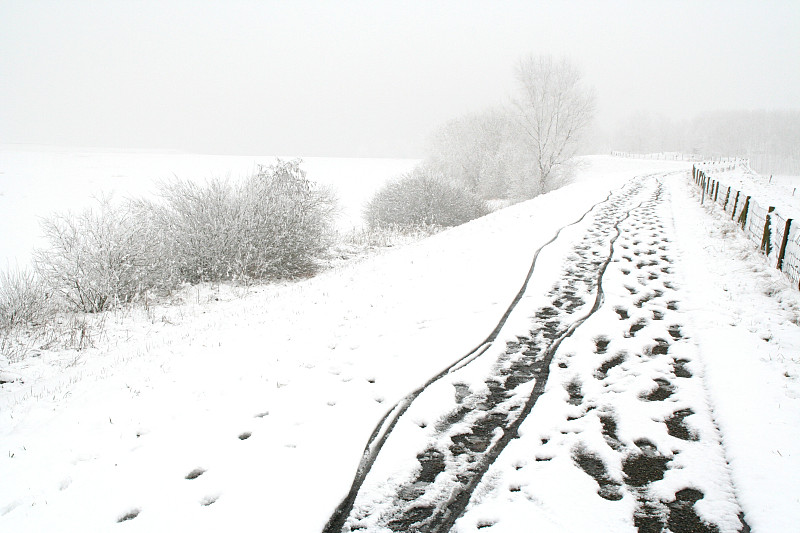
[445,516]
[472,452]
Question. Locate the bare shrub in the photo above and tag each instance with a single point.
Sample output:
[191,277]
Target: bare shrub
[78,332]
[24,300]
[31,321]
[156,249]
[275,224]
[193,229]
[286,224]
[422,199]
[96,259]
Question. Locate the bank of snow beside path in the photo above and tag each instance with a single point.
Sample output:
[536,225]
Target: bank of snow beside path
[747,318]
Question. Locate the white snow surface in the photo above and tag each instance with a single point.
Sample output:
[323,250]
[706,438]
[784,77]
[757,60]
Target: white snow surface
[747,321]
[777,191]
[265,397]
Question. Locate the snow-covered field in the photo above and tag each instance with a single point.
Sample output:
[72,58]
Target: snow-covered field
[790,182]
[777,191]
[250,409]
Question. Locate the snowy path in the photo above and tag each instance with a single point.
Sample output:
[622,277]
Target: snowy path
[600,386]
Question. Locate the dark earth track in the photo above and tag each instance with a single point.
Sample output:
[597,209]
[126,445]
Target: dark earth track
[527,359]
[470,437]
[643,258]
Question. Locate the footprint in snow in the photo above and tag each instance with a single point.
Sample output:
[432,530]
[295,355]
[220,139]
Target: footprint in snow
[129,515]
[676,425]
[575,392]
[602,371]
[664,389]
[601,343]
[196,473]
[208,500]
[679,368]
[636,327]
[591,464]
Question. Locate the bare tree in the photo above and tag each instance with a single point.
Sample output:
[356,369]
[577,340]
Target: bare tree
[553,108]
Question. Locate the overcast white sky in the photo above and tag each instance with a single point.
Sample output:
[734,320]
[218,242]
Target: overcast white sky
[364,78]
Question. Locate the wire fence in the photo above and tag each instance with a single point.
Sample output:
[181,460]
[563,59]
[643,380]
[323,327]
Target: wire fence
[776,234]
[660,156]
[764,163]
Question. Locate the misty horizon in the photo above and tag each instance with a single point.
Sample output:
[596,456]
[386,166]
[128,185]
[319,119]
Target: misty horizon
[357,79]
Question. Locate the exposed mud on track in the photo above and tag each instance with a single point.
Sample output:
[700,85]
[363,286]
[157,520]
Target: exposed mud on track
[439,453]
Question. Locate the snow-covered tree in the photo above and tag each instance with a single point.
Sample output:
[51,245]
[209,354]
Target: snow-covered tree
[553,107]
[478,151]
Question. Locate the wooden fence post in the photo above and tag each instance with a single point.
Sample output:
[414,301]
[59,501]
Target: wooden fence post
[735,205]
[784,242]
[766,237]
[743,216]
[703,196]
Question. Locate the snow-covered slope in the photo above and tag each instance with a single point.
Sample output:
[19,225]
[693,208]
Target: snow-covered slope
[244,410]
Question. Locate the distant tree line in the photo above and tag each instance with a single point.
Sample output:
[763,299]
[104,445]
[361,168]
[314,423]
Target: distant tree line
[770,139]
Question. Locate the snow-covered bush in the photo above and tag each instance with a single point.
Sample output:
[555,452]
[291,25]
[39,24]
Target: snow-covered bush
[422,199]
[95,259]
[487,154]
[286,224]
[275,224]
[24,299]
[30,319]
[193,228]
